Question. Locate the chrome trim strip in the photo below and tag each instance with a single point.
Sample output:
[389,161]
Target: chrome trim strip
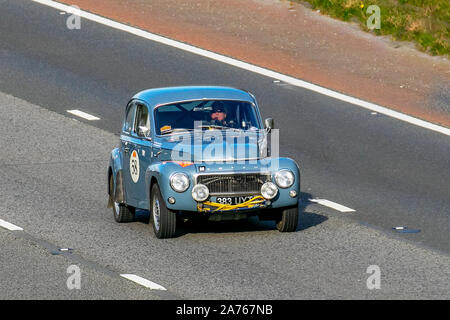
[235,194]
[209,173]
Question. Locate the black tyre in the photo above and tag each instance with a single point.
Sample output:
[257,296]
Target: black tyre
[123,213]
[287,219]
[164,220]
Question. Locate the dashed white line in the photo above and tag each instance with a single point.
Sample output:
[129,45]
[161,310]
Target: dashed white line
[143,282]
[247,66]
[333,205]
[9,226]
[83,115]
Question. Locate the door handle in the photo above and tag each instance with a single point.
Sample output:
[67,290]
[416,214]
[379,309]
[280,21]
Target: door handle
[126,149]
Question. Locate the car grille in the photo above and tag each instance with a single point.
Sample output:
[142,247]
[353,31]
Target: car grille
[242,183]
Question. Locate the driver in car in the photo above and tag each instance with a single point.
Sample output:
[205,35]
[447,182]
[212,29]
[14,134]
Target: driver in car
[219,114]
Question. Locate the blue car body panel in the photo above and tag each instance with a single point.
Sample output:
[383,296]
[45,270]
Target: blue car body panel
[155,97]
[157,161]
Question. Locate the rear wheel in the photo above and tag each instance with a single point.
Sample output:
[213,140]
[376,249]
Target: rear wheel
[287,219]
[164,220]
[122,212]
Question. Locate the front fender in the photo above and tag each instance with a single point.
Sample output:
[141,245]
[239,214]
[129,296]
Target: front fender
[116,171]
[161,172]
[283,199]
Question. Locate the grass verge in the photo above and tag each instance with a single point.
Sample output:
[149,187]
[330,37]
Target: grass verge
[426,22]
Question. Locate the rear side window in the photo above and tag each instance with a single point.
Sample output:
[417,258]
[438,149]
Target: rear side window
[129,118]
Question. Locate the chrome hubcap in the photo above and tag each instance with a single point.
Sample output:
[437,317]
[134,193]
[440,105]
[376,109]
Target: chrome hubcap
[116,207]
[156,213]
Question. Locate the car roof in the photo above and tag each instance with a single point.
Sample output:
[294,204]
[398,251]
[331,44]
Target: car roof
[158,96]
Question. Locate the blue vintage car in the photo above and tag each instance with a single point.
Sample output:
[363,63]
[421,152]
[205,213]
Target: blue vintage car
[200,152]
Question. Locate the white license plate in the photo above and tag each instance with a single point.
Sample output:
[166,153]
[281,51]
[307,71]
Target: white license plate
[233,200]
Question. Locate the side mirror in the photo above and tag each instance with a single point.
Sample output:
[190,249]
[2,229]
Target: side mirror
[143,131]
[268,124]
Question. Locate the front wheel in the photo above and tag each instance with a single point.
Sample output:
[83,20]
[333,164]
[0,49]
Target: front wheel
[164,220]
[287,219]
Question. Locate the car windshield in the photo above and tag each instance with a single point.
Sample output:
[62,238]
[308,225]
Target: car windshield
[206,114]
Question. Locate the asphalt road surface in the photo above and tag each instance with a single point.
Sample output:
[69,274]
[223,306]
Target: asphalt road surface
[53,184]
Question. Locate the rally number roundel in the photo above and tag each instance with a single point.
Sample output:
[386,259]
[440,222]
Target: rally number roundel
[134,166]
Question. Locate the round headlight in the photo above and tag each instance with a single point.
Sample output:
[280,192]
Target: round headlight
[284,178]
[200,192]
[269,190]
[179,182]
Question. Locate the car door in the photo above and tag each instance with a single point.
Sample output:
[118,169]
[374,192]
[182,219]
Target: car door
[128,145]
[141,155]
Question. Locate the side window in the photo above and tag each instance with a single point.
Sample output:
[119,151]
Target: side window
[129,118]
[142,123]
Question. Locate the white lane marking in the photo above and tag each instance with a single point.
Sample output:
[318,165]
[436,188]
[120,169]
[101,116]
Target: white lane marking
[247,66]
[9,226]
[83,115]
[331,204]
[143,282]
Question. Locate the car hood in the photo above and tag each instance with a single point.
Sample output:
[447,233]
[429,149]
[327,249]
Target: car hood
[213,146]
